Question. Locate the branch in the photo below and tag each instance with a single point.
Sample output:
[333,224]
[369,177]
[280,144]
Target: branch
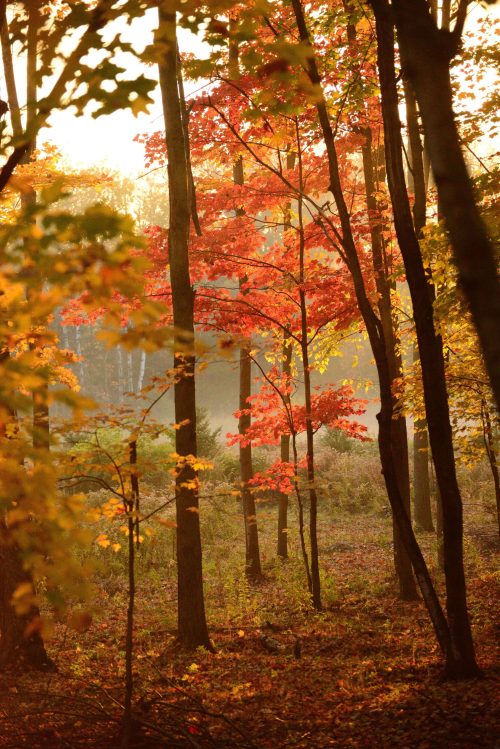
[459,23]
[97,21]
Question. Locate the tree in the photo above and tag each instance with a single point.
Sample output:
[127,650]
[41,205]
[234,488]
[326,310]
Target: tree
[417,183]
[252,552]
[192,626]
[426,53]
[386,289]
[461,661]
[376,337]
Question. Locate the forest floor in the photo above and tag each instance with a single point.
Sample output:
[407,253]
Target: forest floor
[368,675]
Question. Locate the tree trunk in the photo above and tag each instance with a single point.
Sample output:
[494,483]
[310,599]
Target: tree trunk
[461,661]
[315,580]
[252,551]
[285,458]
[376,337]
[192,626]
[252,555]
[421,484]
[10,82]
[287,352]
[142,370]
[119,373]
[407,587]
[421,479]
[426,53]
[21,643]
[81,366]
[417,168]
[311,479]
[489,445]
[130,372]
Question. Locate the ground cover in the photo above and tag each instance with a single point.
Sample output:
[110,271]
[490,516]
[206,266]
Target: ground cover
[363,673]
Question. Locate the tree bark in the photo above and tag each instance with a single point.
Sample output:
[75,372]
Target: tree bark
[287,353]
[421,486]
[489,444]
[315,580]
[252,552]
[285,458]
[407,587]
[192,626]
[21,643]
[10,82]
[376,337]
[426,53]
[142,370]
[461,661]
[119,368]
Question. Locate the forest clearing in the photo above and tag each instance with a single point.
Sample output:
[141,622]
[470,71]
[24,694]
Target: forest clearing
[366,677]
[249,374]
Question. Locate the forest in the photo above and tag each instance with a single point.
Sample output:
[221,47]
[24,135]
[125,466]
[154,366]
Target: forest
[249,374]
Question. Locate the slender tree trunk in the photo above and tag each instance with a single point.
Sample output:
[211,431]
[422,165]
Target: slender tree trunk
[130,372]
[81,366]
[185,128]
[439,530]
[31,74]
[192,626]
[131,508]
[41,433]
[10,82]
[252,551]
[311,479]
[407,587]
[421,487]
[287,352]
[376,337]
[421,478]
[421,484]
[253,567]
[285,458]
[489,445]
[300,508]
[304,349]
[461,661]
[105,377]
[426,53]
[142,370]
[119,372]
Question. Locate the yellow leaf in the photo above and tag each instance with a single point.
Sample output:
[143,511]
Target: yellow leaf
[103,540]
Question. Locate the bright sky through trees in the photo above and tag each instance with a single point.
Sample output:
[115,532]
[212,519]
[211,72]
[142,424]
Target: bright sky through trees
[108,141]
